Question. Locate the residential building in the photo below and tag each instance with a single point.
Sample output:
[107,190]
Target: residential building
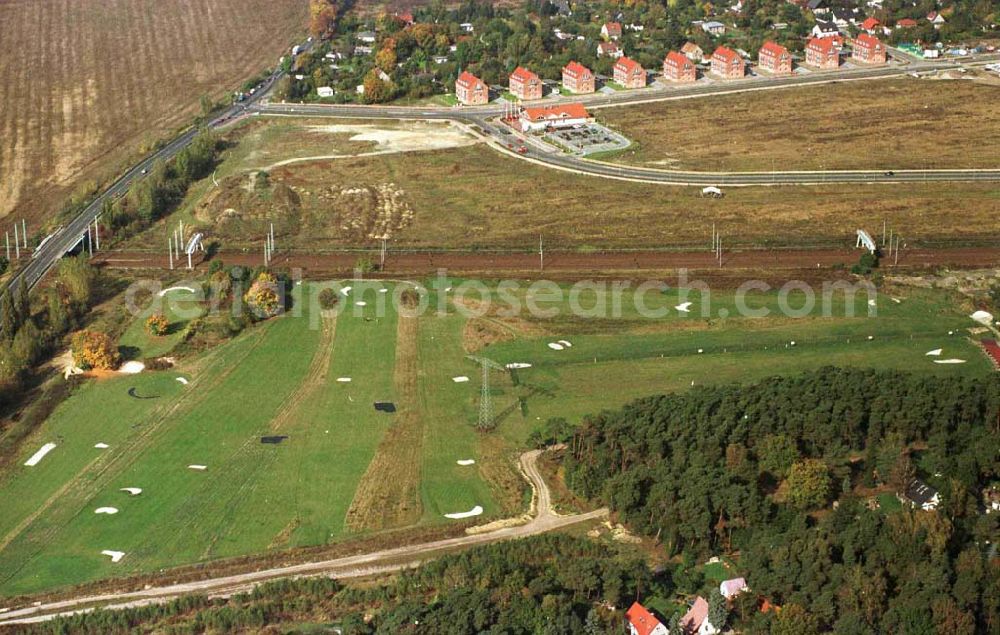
[870,25]
[609,49]
[825,28]
[578,79]
[936,19]
[733,587]
[844,17]
[468,27]
[693,52]
[524,84]
[362,50]
[906,23]
[713,28]
[920,494]
[368,37]
[470,90]
[611,30]
[560,116]
[823,53]
[324,91]
[727,63]
[406,18]
[678,68]
[629,73]
[817,6]
[868,49]
[774,59]
[695,621]
[642,622]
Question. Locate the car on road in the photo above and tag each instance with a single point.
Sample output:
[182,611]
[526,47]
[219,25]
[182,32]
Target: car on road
[522,150]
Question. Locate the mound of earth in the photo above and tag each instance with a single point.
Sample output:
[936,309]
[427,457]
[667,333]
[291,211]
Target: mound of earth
[361,212]
[247,204]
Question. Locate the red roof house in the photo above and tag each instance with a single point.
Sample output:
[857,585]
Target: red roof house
[727,63]
[822,53]
[561,116]
[611,30]
[609,49]
[629,73]
[678,68]
[906,23]
[870,24]
[524,84]
[577,78]
[868,49]
[696,619]
[470,90]
[642,622]
[774,59]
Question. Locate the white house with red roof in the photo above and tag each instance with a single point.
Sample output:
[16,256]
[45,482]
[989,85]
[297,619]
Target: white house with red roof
[470,90]
[727,63]
[642,622]
[733,587]
[609,49]
[629,73]
[578,79]
[611,30]
[559,116]
[774,58]
[695,621]
[524,84]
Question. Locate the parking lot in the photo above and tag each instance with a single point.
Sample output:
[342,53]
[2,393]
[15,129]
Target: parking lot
[588,139]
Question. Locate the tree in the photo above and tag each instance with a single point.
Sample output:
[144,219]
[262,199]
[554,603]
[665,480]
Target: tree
[808,483]
[776,454]
[93,349]
[386,59]
[23,303]
[328,298]
[8,317]
[718,609]
[157,325]
[377,90]
[794,620]
[262,297]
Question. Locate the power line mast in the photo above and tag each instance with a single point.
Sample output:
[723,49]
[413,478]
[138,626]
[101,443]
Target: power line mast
[486,418]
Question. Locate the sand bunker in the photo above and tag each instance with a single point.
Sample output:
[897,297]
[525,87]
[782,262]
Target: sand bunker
[344,380]
[516,365]
[198,467]
[475,511]
[360,304]
[383,291]
[166,291]
[556,347]
[465,462]
[346,290]
[132,368]
[949,361]
[132,491]
[182,380]
[934,353]
[565,343]
[684,307]
[106,510]
[982,317]
[101,446]
[38,456]
[115,555]
[461,379]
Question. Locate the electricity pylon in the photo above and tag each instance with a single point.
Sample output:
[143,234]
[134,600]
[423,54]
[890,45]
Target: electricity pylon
[486,421]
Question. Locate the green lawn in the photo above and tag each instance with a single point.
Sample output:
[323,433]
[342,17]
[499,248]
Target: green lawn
[179,306]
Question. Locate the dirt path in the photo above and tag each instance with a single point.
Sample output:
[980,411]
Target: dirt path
[543,520]
[315,377]
[389,492]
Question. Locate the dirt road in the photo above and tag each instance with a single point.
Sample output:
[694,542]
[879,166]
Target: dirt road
[542,520]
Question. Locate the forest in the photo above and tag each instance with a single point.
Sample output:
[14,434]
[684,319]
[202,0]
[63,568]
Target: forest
[779,472]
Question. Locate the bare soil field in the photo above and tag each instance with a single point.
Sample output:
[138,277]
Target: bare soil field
[84,86]
[896,124]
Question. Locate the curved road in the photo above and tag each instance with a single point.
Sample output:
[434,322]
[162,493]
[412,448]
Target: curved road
[544,519]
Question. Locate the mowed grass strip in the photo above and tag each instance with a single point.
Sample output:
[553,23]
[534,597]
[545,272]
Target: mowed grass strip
[890,124]
[179,307]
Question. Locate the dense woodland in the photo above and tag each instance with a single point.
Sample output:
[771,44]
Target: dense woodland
[775,472]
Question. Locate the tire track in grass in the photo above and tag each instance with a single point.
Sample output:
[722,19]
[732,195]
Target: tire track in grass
[388,494]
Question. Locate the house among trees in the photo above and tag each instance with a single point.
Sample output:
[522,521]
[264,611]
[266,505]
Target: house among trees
[642,622]
[678,68]
[611,30]
[825,28]
[693,52]
[713,27]
[629,73]
[775,59]
[920,494]
[547,117]
[470,90]
[870,25]
[936,19]
[524,84]
[732,588]
[906,23]
[727,63]
[609,49]
[823,53]
[695,621]
[578,79]
[868,49]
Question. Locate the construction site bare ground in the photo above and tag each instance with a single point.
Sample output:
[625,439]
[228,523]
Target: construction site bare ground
[85,86]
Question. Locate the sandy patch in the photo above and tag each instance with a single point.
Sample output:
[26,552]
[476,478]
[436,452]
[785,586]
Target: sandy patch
[38,456]
[934,353]
[475,511]
[555,346]
[132,491]
[461,379]
[132,368]
[684,307]
[106,510]
[166,291]
[346,290]
[517,365]
[360,304]
[949,361]
[183,380]
[344,380]
[101,446]
[982,317]
[200,468]
[566,343]
[466,462]
[115,555]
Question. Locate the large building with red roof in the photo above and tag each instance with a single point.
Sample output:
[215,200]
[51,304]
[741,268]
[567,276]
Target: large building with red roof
[868,49]
[525,85]
[629,74]
[727,63]
[678,68]
[470,90]
[642,622]
[775,59]
[560,116]
[823,53]
[578,79]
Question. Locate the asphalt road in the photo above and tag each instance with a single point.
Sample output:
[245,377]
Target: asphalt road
[543,519]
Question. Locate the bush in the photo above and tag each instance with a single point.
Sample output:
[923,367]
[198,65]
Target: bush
[328,298]
[157,325]
[263,298]
[93,349]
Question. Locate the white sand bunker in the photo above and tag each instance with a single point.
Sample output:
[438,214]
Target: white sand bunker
[101,446]
[556,346]
[934,353]
[949,361]
[132,368]
[465,462]
[684,307]
[38,456]
[106,510]
[183,380]
[346,290]
[565,343]
[982,317]
[383,291]
[200,468]
[516,365]
[475,511]
[132,491]
[115,555]
[461,379]
[360,304]
[344,380]
[166,291]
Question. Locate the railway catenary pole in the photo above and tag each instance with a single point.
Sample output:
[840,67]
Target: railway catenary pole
[24,232]
[17,243]
[170,251]
[7,237]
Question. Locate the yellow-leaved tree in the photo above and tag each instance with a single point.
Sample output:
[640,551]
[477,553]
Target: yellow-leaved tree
[262,298]
[93,349]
